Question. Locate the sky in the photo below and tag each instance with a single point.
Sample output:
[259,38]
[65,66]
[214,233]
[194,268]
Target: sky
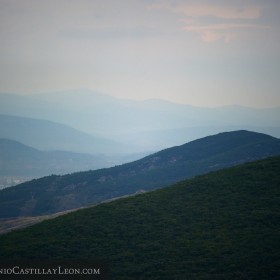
[203,53]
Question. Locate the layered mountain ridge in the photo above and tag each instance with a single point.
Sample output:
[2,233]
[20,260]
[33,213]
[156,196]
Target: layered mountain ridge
[59,193]
[149,125]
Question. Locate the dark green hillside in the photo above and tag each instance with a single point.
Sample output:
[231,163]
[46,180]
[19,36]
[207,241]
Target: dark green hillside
[58,193]
[222,225]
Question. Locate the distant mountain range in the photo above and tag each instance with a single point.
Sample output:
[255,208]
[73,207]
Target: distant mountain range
[223,225]
[48,135]
[58,193]
[141,125]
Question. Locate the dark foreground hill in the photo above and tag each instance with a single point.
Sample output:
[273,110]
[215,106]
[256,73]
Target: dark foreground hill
[222,225]
[59,193]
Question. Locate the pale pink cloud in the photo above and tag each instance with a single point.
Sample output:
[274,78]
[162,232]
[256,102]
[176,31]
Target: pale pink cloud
[210,36]
[195,17]
[216,32]
[221,26]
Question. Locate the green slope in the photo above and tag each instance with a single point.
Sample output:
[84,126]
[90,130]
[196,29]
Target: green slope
[222,225]
[59,193]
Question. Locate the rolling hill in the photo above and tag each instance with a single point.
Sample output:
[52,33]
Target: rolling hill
[222,225]
[59,193]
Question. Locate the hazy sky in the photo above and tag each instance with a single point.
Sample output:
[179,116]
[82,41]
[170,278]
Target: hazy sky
[200,52]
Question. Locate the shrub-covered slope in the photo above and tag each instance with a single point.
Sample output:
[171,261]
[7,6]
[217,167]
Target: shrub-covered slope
[58,193]
[222,225]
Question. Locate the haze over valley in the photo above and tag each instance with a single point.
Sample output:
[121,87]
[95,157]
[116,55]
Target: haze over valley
[110,131]
[148,125]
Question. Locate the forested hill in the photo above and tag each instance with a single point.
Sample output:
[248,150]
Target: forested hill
[58,193]
[222,225]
